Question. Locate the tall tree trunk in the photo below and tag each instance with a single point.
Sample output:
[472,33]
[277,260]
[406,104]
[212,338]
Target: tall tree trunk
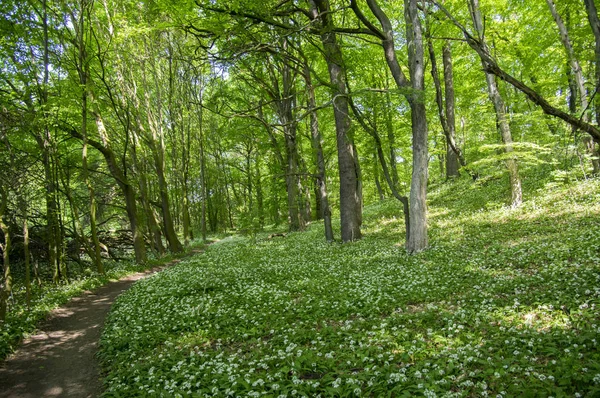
[154,231]
[453,153]
[594,20]
[350,188]
[6,286]
[578,80]
[371,129]
[45,142]
[83,70]
[414,93]
[156,144]
[325,210]
[203,183]
[185,205]
[500,108]
[158,155]
[26,252]
[417,239]
[446,111]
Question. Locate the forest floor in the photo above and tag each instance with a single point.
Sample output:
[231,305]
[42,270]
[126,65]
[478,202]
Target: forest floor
[60,358]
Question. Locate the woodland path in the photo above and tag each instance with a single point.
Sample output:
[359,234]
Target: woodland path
[59,360]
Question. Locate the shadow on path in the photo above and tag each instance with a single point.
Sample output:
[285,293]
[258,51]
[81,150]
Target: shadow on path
[59,361]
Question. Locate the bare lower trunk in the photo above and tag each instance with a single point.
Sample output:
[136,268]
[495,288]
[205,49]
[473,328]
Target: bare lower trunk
[417,238]
[138,238]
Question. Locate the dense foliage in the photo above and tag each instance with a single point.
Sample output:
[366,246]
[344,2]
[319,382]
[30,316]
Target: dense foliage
[505,303]
[129,129]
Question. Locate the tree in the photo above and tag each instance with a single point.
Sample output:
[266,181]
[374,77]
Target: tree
[500,109]
[349,171]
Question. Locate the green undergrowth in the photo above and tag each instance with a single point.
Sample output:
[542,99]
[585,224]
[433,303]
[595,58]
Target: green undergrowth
[505,302]
[21,321]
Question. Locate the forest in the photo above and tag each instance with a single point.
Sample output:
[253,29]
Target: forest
[403,197]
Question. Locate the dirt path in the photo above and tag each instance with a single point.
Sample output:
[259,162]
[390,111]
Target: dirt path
[59,361]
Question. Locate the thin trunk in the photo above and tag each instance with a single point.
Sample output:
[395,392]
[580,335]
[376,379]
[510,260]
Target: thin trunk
[377,182]
[316,141]
[371,129]
[573,62]
[44,140]
[285,108]
[501,117]
[154,231]
[389,124]
[80,238]
[453,153]
[491,66]
[446,112]
[157,147]
[6,287]
[350,185]
[26,252]
[594,20]
[187,233]
[259,195]
[577,81]
[203,183]
[83,69]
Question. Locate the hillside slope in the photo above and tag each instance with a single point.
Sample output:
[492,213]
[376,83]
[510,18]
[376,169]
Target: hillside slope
[504,303]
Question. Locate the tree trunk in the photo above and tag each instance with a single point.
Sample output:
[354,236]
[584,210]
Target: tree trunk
[414,93]
[350,192]
[6,286]
[417,238]
[45,142]
[83,69]
[453,154]
[377,182]
[446,111]
[389,124]
[500,108]
[115,170]
[203,184]
[174,244]
[594,20]
[26,251]
[259,193]
[157,147]
[371,129]
[154,231]
[578,80]
[323,201]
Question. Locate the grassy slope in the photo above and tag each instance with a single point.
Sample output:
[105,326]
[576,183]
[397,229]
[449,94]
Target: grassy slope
[505,302]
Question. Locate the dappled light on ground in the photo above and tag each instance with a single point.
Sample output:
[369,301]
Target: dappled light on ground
[504,303]
[59,360]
